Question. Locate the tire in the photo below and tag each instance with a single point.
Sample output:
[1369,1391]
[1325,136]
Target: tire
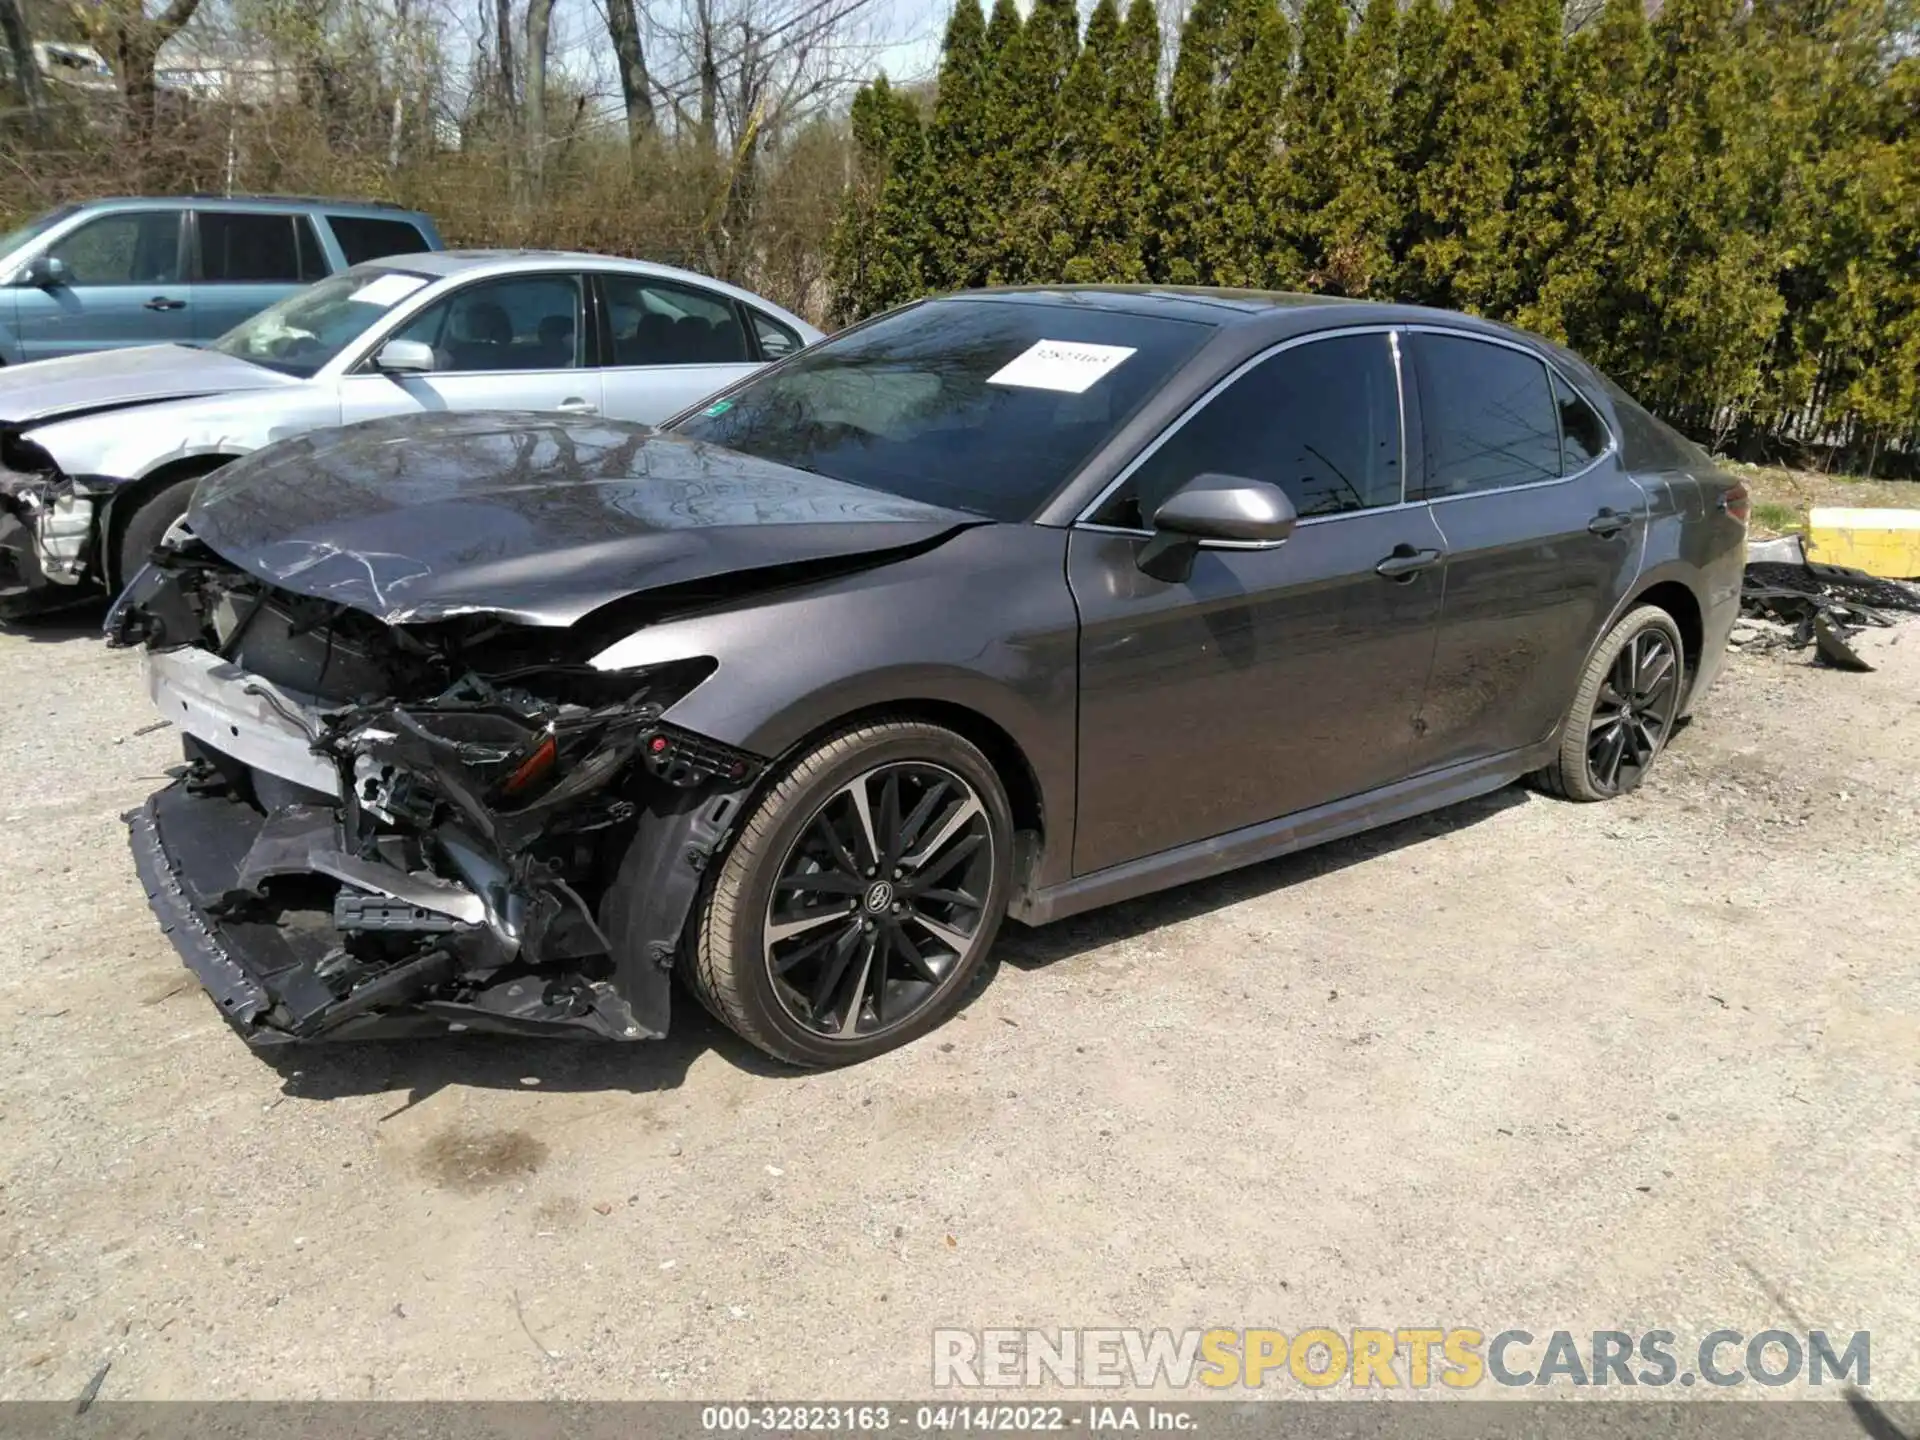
[1590,766]
[145,527]
[768,989]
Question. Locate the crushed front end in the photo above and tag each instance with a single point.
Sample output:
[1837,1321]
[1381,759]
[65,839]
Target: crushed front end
[399,829]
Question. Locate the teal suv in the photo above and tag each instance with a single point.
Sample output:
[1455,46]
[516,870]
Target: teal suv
[183,268]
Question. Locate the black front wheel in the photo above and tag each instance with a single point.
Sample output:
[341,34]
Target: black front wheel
[857,909]
[1624,711]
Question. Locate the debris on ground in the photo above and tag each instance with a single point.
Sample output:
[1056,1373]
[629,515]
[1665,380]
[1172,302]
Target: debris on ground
[1787,602]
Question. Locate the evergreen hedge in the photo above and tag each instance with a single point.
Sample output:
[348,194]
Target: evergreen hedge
[1719,205]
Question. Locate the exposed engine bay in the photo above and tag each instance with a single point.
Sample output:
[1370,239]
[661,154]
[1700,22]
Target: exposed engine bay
[385,830]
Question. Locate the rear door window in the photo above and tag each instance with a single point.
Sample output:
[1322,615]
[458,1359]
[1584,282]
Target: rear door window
[1583,434]
[655,322]
[362,237]
[239,247]
[776,340]
[1488,415]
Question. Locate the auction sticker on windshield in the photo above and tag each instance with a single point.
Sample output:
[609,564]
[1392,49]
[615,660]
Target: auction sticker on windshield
[387,290]
[1070,366]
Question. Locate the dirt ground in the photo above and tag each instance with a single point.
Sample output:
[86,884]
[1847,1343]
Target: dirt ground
[1652,1064]
[1782,498]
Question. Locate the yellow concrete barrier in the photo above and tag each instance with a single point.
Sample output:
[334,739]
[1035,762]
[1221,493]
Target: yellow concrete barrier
[1880,542]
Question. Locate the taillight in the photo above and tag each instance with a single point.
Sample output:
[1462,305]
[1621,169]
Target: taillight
[1736,501]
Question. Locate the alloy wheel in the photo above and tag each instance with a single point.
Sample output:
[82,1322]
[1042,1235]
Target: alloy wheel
[879,900]
[1633,713]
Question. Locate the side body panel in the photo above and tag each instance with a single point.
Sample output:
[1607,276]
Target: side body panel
[982,622]
[1271,682]
[652,393]
[1528,591]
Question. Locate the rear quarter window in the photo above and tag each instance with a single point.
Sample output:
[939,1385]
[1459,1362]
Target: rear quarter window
[362,237]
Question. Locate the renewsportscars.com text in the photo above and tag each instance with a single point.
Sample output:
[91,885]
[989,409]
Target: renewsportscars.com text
[1402,1357]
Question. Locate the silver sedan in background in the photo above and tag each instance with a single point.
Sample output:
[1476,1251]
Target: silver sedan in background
[98,453]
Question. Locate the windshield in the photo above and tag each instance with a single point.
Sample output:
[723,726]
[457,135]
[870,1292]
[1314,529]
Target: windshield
[311,326]
[13,239]
[981,405]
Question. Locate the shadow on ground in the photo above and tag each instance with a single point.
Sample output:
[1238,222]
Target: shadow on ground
[79,621]
[1029,949]
[422,1068]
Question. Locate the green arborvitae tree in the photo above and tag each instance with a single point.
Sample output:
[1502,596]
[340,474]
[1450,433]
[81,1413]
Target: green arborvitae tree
[1494,64]
[1033,205]
[1413,144]
[875,254]
[995,167]
[955,205]
[1598,179]
[1700,252]
[1245,139]
[1306,171]
[1843,149]
[1365,213]
[1110,117]
[1214,223]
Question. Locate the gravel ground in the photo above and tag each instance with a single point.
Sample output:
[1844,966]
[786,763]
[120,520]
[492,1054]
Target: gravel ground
[1521,1063]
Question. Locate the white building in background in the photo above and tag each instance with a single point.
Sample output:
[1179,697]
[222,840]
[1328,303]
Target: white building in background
[223,71]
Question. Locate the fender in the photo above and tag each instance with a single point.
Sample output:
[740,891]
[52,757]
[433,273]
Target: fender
[793,663]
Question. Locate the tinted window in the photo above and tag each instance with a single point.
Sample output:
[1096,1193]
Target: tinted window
[983,405]
[775,339]
[248,249]
[662,324]
[134,249]
[526,324]
[1487,414]
[313,261]
[364,239]
[1583,435]
[1321,421]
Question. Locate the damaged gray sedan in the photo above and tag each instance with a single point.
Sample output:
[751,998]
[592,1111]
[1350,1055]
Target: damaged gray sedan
[1010,604]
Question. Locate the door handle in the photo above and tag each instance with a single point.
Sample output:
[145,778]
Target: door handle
[1609,523]
[161,302]
[577,407]
[1406,562]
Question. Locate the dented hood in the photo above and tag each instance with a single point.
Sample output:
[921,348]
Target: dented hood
[114,379]
[537,518]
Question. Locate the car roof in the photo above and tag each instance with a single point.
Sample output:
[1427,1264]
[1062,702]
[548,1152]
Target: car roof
[442,264]
[256,202]
[1274,314]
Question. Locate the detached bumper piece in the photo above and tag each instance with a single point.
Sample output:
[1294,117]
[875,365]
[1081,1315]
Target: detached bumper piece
[296,940]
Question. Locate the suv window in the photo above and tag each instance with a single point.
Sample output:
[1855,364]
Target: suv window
[658,323]
[1487,413]
[530,323]
[242,248]
[364,238]
[138,248]
[1321,421]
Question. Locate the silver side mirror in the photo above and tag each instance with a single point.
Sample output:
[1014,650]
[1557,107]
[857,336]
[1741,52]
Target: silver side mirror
[405,357]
